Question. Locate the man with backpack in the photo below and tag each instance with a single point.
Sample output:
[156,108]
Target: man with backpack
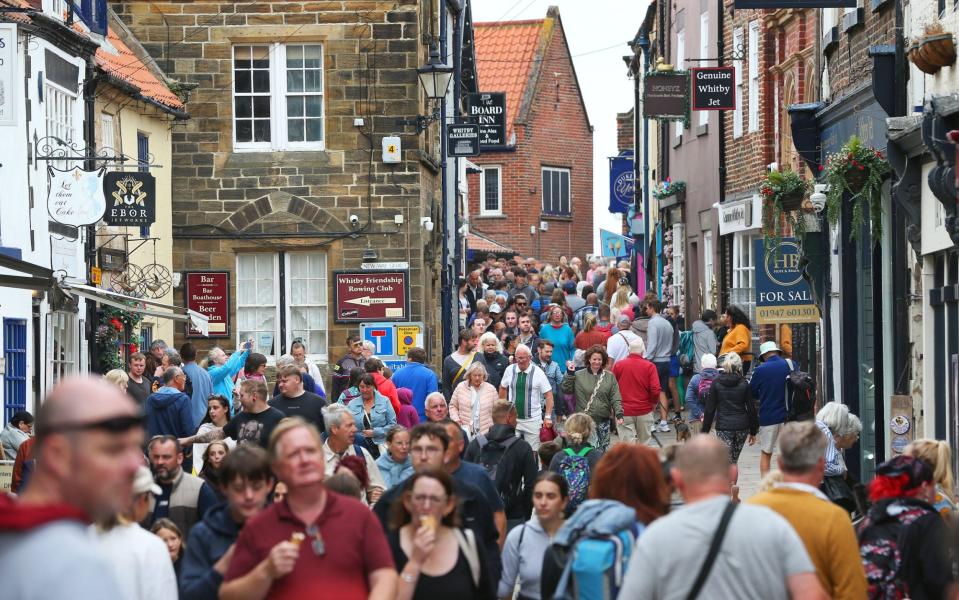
[474,475]
[770,383]
[698,390]
[509,461]
[750,551]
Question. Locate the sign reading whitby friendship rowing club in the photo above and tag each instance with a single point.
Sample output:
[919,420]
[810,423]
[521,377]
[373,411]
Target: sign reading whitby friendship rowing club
[371,296]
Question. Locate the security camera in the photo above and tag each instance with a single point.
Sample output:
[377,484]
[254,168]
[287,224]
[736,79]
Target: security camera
[354,221]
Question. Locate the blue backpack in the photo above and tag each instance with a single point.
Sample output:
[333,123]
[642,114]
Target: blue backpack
[575,468]
[591,552]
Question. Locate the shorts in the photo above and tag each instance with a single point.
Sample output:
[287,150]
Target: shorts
[768,436]
[664,370]
[528,429]
[734,441]
[674,368]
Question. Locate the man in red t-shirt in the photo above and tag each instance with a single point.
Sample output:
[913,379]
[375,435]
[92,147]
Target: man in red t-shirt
[639,386]
[314,542]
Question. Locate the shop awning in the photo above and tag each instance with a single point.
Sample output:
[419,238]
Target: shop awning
[40,278]
[142,306]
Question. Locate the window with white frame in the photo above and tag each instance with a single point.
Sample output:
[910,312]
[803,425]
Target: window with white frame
[556,191]
[743,291]
[59,106]
[704,53]
[753,76]
[491,190]
[708,276]
[680,60]
[278,97]
[738,66]
[303,303]
[107,135]
[679,266]
[63,335]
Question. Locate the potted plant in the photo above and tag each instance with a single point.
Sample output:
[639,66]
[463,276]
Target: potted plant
[783,193]
[858,170]
[670,188]
[937,46]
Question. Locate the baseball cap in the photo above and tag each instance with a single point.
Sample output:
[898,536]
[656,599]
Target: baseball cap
[769,346]
[143,482]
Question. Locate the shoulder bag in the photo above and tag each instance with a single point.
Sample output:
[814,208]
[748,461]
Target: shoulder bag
[713,551]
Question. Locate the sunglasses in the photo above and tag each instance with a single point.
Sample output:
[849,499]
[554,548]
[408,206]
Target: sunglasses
[111,425]
[319,548]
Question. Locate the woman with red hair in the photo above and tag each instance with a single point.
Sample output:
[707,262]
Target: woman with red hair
[902,521]
[633,475]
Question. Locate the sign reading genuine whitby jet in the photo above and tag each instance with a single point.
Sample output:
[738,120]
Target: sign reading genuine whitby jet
[666,95]
[208,293]
[131,198]
[796,3]
[488,110]
[371,296]
[714,88]
[462,139]
[782,295]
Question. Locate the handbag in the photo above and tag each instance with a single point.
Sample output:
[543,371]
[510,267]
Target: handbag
[839,492]
[368,443]
[547,433]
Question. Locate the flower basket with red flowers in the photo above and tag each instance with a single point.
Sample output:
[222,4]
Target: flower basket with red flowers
[858,170]
[783,194]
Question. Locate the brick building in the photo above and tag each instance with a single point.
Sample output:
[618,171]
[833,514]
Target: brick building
[276,182]
[543,176]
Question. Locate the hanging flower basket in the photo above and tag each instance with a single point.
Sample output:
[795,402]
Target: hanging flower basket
[919,59]
[859,171]
[669,188]
[783,194]
[939,50]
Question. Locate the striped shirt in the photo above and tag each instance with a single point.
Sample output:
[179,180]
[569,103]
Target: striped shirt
[537,386]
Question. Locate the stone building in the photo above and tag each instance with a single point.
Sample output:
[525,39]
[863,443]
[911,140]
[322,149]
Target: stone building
[279,179]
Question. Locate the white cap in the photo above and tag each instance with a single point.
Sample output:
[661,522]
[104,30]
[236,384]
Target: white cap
[143,482]
[708,361]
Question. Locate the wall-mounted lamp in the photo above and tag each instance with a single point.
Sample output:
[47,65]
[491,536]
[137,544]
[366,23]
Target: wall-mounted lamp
[435,77]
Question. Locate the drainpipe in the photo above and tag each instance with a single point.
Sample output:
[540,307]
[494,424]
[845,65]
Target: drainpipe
[644,48]
[90,245]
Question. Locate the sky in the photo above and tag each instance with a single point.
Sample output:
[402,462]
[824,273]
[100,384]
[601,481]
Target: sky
[597,32]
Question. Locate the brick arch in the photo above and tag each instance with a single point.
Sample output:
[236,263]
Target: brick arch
[282,207]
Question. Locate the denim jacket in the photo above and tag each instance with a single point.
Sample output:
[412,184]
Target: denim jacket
[382,416]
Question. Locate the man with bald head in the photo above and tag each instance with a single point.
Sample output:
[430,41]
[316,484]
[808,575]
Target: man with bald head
[89,438]
[759,554]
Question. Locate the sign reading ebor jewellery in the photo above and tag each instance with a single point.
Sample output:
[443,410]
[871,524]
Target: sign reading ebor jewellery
[665,96]
[208,293]
[371,296]
[131,199]
[488,110]
[714,88]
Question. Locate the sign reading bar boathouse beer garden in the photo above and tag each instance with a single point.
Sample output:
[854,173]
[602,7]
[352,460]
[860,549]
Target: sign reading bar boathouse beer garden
[488,110]
[782,295]
[714,88]
[371,296]
[208,293]
[666,95]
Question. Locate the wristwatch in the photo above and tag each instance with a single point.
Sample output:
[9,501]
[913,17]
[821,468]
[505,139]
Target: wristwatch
[407,577]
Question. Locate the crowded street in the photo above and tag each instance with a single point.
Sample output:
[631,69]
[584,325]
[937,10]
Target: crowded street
[479,300]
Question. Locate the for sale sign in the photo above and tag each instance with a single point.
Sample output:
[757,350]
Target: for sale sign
[208,293]
[714,88]
[371,296]
[782,295]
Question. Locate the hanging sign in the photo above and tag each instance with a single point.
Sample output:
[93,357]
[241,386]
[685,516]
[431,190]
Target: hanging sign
[666,95]
[131,198]
[208,293]
[782,295]
[622,184]
[75,196]
[462,139]
[615,245]
[714,88]
[371,296]
[488,110]
[8,65]
[796,3]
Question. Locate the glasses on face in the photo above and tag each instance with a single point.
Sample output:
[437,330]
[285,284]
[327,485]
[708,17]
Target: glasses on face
[429,450]
[424,499]
[111,425]
[319,548]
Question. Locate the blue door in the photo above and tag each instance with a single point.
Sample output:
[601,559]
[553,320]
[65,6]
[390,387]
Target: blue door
[15,377]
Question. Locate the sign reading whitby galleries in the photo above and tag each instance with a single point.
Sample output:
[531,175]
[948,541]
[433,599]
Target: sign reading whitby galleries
[371,296]
[208,293]
[131,199]
[782,295]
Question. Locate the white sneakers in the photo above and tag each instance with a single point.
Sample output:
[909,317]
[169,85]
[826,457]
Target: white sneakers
[663,426]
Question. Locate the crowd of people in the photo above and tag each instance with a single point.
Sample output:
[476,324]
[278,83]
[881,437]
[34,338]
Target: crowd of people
[531,466]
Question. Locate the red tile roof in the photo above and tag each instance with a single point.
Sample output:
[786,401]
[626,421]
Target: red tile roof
[14,16]
[128,67]
[475,241]
[505,53]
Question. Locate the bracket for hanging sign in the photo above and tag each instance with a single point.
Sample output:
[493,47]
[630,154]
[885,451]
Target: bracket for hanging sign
[52,148]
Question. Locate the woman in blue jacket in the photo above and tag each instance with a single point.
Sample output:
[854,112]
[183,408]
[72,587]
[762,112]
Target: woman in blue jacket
[373,414]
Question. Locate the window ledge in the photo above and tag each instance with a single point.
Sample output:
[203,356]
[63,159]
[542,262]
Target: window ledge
[853,19]
[702,130]
[489,216]
[552,217]
[677,141]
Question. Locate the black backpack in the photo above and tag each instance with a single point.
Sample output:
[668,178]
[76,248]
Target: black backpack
[880,546]
[491,454]
[800,394]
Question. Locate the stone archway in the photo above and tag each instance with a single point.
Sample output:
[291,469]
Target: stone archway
[283,213]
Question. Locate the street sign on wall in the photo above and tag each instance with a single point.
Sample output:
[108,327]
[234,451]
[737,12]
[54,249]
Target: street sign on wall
[666,95]
[488,110]
[131,198]
[208,293]
[796,3]
[462,139]
[371,296]
[391,341]
[782,295]
[714,88]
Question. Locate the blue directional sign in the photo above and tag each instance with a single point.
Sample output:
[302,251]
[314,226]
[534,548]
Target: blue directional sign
[383,336]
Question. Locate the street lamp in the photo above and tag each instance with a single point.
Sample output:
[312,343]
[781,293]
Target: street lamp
[435,77]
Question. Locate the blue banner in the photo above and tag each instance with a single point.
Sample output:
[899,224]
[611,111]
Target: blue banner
[622,185]
[615,245]
[782,295]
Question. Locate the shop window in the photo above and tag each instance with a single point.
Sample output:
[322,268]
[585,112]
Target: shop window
[708,276]
[743,292]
